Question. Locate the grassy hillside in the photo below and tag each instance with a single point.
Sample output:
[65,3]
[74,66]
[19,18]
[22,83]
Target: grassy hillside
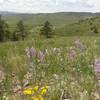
[65,23]
[55,68]
[82,27]
[57,19]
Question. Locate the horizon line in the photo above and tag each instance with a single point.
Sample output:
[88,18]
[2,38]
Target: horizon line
[49,12]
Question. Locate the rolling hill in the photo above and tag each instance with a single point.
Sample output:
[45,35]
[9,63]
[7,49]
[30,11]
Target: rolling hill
[57,19]
[83,27]
[66,23]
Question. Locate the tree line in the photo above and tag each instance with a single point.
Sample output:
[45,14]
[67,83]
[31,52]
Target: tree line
[20,33]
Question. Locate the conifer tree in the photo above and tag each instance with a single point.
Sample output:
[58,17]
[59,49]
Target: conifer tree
[20,32]
[4,30]
[46,30]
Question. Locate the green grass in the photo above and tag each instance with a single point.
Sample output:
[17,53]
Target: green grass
[65,24]
[80,28]
[56,19]
[58,71]
[74,78]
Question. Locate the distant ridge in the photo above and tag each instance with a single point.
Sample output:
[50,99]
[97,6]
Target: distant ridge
[13,13]
[58,19]
[7,13]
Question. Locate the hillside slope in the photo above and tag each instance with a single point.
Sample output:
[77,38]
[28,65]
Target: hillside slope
[57,19]
[82,27]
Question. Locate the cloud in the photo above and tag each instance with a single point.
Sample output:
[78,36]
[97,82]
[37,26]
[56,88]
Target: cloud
[37,6]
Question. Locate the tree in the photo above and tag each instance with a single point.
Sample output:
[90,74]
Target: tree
[94,29]
[7,32]
[90,22]
[1,29]
[46,30]
[4,30]
[20,32]
[15,36]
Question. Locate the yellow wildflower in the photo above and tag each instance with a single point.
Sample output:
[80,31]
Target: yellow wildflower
[36,98]
[45,87]
[43,91]
[36,88]
[39,97]
[28,91]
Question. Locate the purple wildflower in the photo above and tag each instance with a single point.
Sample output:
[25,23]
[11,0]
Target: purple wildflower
[40,56]
[31,52]
[97,65]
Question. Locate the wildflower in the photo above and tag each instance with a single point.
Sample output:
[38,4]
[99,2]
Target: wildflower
[40,56]
[36,98]
[31,52]
[44,90]
[26,82]
[28,75]
[97,65]
[28,91]
[36,88]
[39,97]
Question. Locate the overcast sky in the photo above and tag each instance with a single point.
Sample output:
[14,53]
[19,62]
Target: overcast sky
[43,6]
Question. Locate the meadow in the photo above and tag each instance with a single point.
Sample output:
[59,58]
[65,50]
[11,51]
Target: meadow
[59,68]
[65,66]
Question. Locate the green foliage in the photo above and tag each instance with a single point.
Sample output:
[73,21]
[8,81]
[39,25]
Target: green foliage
[46,30]
[66,24]
[94,29]
[4,30]
[20,32]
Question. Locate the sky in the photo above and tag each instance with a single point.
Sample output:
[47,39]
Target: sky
[49,6]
